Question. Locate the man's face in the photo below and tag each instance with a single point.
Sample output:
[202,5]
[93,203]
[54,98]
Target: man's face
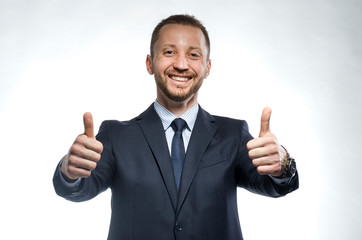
[180,62]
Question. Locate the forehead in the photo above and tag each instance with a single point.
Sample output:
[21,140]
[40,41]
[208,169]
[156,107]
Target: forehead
[181,35]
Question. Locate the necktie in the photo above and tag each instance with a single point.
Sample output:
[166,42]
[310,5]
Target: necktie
[178,149]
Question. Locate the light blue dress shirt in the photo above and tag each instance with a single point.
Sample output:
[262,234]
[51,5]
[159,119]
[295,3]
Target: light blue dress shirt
[167,118]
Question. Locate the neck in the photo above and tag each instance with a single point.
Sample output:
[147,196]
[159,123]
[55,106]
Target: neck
[177,108]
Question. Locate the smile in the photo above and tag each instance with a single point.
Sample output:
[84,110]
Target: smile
[180,78]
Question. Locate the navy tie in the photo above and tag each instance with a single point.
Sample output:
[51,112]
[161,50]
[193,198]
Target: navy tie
[178,149]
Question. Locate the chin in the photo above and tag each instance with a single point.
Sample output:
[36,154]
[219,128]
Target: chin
[178,98]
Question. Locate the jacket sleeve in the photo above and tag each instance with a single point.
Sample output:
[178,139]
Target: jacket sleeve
[248,177]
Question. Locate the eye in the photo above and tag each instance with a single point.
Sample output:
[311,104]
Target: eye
[168,52]
[195,55]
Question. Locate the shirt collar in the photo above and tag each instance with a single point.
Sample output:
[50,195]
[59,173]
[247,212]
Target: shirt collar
[167,117]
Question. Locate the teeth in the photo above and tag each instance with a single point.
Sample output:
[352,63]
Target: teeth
[182,79]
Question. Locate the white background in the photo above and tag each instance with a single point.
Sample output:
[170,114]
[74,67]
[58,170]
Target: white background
[59,59]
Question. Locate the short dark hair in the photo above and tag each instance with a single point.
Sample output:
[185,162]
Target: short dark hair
[183,19]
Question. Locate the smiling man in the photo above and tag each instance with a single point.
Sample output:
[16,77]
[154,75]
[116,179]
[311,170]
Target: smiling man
[180,62]
[174,170]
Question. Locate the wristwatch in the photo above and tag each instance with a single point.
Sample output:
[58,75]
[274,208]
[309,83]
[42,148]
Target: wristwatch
[289,166]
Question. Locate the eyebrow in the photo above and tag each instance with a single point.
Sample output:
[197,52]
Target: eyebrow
[190,48]
[196,48]
[169,45]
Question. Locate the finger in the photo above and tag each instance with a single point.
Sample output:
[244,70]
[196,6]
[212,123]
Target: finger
[265,170]
[273,170]
[88,124]
[75,172]
[260,142]
[268,160]
[264,122]
[263,151]
[79,150]
[94,145]
[82,163]
[89,143]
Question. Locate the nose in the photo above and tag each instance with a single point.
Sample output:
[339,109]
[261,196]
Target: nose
[181,63]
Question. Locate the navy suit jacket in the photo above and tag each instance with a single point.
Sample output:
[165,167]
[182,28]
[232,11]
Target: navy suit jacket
[136,165]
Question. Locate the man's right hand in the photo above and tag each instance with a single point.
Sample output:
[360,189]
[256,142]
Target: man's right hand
[84,153]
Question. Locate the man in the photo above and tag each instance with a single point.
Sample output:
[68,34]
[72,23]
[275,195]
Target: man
[158,191]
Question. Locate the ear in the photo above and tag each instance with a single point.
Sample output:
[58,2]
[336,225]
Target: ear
[208,67]
[149,64]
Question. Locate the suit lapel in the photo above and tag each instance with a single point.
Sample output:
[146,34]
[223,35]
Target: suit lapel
[152,129]
[202,134]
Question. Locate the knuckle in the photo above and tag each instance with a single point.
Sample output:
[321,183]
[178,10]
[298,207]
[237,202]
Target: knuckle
[93,156]
[92,165]
[97,157]
[100,147]
[260,170]
[87,174]
[79,138]
[252,154]
[255,163]
[75,149]
[71,160]
[72,171]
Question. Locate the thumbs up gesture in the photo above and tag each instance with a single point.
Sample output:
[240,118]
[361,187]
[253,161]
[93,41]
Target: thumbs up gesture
[265,151]
[84,153]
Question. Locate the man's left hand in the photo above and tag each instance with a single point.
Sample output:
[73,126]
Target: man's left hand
[265,151]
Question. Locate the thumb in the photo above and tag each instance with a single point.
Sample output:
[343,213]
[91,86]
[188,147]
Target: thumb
[88,124]
[264,122]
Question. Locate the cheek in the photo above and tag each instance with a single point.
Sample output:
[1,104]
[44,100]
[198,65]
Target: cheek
[199,69]
[160,68]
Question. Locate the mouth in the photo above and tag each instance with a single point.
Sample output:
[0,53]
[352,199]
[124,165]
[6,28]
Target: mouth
[179,78]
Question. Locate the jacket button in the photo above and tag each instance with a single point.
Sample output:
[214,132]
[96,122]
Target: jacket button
[178,227]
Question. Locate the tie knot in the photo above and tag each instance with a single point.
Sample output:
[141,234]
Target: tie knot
[178,124]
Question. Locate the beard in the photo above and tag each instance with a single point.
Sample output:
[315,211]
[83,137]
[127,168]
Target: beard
[181,95]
